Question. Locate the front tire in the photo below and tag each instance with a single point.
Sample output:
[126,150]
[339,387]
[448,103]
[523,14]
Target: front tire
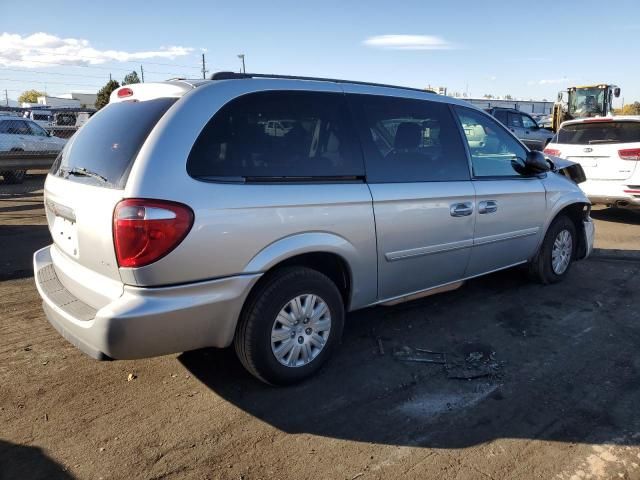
[289,326]
[553,261]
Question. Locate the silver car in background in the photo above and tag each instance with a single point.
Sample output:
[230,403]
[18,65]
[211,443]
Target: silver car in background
[184,217]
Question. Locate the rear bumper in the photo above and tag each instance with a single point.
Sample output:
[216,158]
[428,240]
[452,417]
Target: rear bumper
[609,192]
[144,322]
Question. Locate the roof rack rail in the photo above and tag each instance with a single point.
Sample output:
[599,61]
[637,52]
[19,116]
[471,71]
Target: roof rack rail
[234,75]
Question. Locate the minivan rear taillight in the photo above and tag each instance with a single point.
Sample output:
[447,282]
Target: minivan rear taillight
[629,154]
[144,231]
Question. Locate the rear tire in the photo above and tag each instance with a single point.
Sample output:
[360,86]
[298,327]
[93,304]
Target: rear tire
[14,177]
[289,326]
[553,261]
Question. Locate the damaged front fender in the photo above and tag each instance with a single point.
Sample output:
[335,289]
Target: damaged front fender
[568,168]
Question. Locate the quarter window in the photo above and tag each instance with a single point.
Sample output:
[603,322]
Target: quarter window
[278,134]
[409,140]
[493,151]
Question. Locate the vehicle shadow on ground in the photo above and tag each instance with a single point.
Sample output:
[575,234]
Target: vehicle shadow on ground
[20,462]
[560,365]
[617,215]
[16,262]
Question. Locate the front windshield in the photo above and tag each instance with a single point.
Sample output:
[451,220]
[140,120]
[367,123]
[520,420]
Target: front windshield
[586,102]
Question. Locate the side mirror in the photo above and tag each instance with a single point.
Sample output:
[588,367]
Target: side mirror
[559,96]
[536,162]
[616,92]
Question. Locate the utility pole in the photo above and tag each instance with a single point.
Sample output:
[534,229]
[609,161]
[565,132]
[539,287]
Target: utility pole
[241,57]
[6,96]
[204,68]
[142,73]
[109,77]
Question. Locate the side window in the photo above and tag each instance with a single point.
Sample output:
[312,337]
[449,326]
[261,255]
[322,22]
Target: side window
[409,140]
[15,127]
[501,115]
[289,134]
[515,120]
[37,129]
[493,151]
[527,122]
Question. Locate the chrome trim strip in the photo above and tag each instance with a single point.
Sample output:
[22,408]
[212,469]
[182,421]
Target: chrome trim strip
[418,252]
[506,236]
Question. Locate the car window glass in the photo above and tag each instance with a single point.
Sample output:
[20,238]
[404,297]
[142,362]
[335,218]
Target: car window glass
[492,149]
[37,130]
[515,120]
[278,134]
[528,122]
[591,133]
[501,115]
[15,127]
[409,140]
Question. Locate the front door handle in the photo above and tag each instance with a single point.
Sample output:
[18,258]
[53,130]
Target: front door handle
[488,206]
[461,209]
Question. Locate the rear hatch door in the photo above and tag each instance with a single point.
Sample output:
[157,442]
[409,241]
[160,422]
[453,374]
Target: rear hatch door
[87,181]
[596,146]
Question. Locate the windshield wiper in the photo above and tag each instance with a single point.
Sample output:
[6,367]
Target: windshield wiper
[606,140]
[83,172]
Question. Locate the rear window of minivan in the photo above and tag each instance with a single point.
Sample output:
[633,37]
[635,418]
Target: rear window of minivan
[106,146]
[278,135]
[590,133]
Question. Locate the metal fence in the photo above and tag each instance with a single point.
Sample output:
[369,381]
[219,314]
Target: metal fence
[32,138]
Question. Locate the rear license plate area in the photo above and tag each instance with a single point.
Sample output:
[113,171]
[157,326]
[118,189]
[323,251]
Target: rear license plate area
[65,235]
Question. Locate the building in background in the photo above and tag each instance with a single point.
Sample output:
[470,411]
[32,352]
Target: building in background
[71,100]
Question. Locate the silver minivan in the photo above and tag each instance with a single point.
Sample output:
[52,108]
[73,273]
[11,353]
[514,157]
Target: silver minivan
[257,210]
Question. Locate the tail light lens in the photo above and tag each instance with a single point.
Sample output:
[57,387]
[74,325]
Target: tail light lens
[629,154]
[144,231]
[125,92]
[552,151]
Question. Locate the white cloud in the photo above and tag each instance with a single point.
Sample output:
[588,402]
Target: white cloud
[408,42]
[38,49]
[553,81]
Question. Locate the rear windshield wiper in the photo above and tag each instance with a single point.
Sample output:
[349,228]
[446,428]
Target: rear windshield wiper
[606,140]
[83,172]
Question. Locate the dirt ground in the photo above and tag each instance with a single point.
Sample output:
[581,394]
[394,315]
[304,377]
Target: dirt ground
[558,396]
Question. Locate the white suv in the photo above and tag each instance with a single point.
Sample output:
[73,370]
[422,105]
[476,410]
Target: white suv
[609,151]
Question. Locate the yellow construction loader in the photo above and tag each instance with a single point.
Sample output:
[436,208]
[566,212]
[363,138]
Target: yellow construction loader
[583,102]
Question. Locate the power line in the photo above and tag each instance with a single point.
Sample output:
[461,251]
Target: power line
[47,83]
[51,73]
[121,61]
[95,68]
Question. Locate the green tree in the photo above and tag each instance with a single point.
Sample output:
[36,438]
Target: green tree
[105,92]
[630,109]
[131,78]
[508,97]
[487,95]
[30,96]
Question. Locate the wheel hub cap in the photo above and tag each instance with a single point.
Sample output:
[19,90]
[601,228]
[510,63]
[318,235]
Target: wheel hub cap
[300,331]
[561,252]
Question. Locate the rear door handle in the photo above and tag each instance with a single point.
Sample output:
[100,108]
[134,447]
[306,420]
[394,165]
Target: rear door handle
[461,209]
[487,206]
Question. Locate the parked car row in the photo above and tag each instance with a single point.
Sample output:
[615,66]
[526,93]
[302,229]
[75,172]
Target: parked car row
[257,210]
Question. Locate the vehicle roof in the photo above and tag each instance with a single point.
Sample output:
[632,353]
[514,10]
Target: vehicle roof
[617,118]
[14,117]
[181,86]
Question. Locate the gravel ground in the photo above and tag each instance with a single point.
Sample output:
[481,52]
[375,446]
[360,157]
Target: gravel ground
[554,395]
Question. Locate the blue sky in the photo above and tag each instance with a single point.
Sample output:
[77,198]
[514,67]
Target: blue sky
[526,49]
